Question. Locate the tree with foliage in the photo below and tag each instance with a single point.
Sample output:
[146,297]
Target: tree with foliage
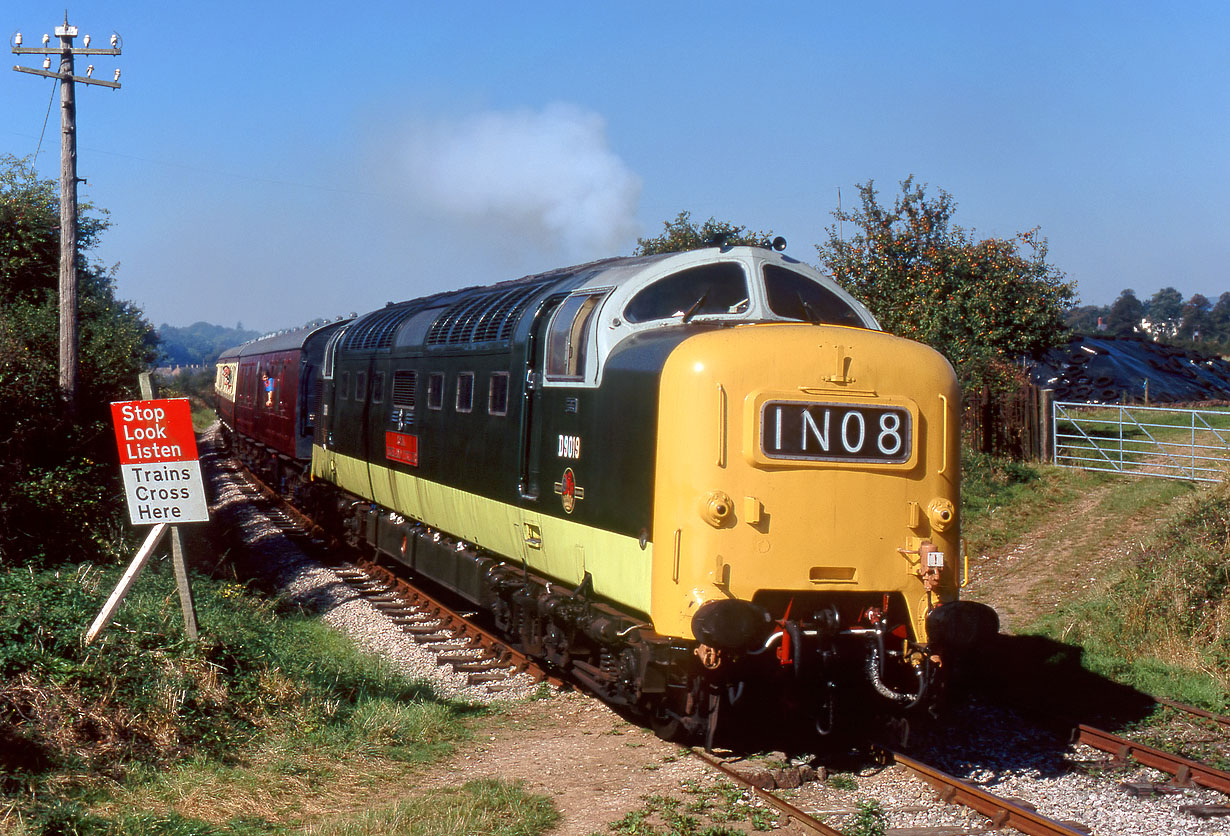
[1195,323]
[1126,314]
[58,477]
[199,343]
[1084,319]
[1164,310]
[683,234]
[979,302]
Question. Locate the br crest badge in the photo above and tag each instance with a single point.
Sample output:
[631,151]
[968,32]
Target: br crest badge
[568,490]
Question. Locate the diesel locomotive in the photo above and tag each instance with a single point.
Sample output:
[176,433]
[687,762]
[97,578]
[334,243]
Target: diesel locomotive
[682,479]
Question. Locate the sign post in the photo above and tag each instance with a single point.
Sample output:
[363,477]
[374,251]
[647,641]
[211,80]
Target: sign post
[163,486]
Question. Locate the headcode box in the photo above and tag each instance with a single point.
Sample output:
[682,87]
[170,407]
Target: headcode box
[158,459]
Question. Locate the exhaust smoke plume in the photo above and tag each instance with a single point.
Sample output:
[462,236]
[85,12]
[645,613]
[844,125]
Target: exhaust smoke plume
[548,176]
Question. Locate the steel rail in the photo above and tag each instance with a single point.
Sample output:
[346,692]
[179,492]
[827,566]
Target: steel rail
[782,806]
[1183,769]
[1000,811]
[1191,709]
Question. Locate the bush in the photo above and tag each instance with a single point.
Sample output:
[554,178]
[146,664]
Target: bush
[59,481]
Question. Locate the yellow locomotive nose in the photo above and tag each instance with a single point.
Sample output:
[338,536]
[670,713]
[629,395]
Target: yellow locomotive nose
[804,480]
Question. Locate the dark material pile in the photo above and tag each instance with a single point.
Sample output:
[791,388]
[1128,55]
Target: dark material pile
[1114,370]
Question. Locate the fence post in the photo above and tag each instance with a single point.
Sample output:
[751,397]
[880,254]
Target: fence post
[1046,435]
[984,403]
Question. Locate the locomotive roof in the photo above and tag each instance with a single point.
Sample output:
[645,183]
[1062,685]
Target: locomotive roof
[487,314]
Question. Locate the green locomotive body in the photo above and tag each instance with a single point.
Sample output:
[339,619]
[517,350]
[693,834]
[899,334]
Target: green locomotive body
[670,476]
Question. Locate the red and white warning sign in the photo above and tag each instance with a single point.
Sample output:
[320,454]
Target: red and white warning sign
[158,459]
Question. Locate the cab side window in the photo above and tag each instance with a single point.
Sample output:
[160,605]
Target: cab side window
[568,336]
[707,289]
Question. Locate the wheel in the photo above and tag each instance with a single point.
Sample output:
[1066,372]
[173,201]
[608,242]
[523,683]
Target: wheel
[665,723]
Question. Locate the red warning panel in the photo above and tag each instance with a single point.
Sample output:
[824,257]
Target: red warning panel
[401,447]
[149,432]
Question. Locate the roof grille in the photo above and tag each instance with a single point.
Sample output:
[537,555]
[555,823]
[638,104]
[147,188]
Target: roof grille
[375,331]
[484,317]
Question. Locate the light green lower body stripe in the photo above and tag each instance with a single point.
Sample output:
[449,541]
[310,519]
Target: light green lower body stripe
[566,550]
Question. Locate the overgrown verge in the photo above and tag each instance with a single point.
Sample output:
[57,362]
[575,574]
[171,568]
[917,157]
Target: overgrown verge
[1163,624]
[1157,620]
[271,721]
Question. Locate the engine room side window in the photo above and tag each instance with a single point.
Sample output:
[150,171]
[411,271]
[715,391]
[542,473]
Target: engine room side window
[465,392]
[435,390]
[377,387]
[360,386]
[795,296]
[568,337]
[497,394]
[343,391]
[708,289]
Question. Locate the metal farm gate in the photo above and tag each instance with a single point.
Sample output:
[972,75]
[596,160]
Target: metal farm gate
[1191,444]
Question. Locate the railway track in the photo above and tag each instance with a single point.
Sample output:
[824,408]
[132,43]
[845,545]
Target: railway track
[487,662]
[482,658]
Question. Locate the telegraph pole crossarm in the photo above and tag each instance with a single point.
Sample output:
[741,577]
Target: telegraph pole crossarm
[78,78]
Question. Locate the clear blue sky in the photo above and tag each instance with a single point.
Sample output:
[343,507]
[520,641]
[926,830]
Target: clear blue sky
[268,163]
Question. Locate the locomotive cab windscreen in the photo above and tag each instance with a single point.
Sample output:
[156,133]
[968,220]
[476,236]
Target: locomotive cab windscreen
[710,289]
[794,296]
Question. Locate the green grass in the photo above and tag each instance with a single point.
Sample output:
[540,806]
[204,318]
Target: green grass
[231,734]
[710,811]
[479,808]
[1001,499]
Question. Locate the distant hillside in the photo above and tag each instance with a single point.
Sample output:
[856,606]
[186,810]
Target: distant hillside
[200,343]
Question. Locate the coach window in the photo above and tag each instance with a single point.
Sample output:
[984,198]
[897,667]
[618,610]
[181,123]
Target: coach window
[705,290]
[435,390]
[465,392]
[497,394]
[568,336]
[795,296]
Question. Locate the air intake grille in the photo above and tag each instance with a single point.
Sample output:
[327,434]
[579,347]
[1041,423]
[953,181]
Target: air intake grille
[403,388]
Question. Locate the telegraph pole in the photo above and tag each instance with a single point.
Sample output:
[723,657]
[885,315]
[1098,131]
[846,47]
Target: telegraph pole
[68,180]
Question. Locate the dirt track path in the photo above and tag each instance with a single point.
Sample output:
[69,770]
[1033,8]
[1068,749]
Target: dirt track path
[1066,553]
